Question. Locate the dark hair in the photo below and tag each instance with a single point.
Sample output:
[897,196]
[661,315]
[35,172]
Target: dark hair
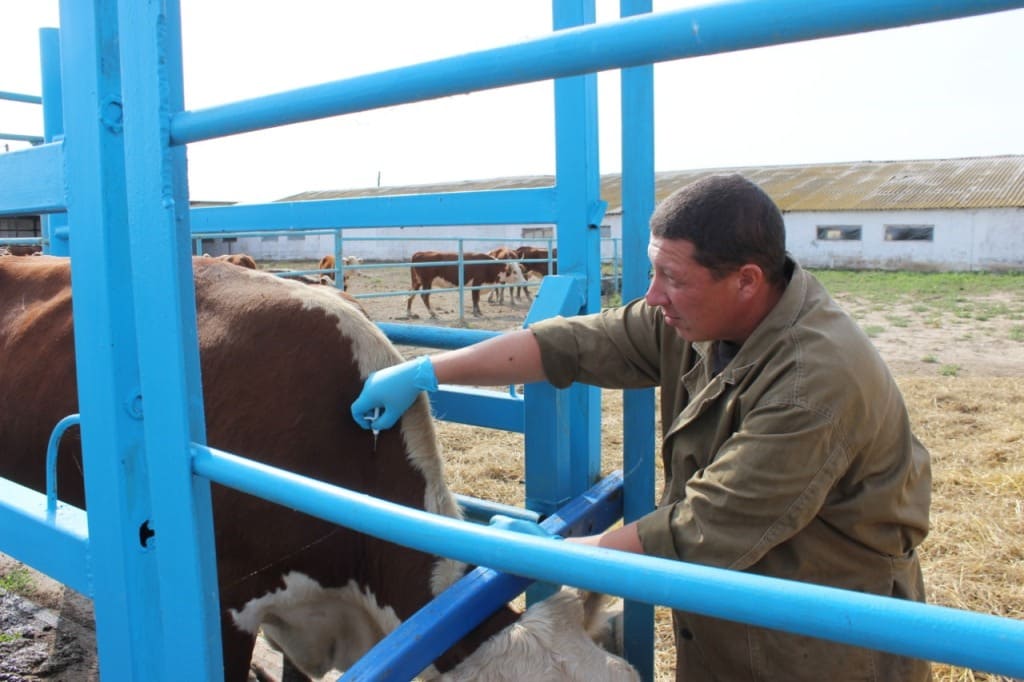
[730,221]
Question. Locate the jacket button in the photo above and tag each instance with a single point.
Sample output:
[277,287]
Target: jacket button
[686,634]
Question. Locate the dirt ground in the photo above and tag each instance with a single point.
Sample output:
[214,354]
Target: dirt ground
[964,383]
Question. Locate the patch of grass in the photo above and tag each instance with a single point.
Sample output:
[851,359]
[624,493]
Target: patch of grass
[927,291]
[9,637]
[931,359]
[18,581]
[1017,333]
[964,312]
[873,330]
[898,321]
[949,370]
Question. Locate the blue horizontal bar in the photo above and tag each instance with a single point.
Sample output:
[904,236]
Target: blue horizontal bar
[19,97]
[434,337]
[481,511]
[21,241]
[973,640]
[479,407]
[432,630]
[34,139]
[57,544]
[486,207]
[643,39]
[33,180]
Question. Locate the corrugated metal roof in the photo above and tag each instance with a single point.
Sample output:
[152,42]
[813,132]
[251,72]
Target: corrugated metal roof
[978,182]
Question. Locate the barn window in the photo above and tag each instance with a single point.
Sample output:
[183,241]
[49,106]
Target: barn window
[296,238]
[19,227]
[909,233]
[269,239]
[538,232]
[839,233]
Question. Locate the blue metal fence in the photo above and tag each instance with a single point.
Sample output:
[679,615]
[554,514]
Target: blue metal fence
[26,99]
[126,168]
[611,278]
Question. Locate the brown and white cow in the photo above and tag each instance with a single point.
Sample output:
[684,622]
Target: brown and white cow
[536,260]
[281,363]
[498,295]
[478,269]
[327,263]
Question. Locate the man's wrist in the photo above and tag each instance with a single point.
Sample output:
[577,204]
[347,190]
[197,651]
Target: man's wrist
[424,378]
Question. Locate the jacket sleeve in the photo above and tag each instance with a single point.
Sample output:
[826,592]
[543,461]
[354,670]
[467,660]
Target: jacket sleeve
[616,348]
[765,483]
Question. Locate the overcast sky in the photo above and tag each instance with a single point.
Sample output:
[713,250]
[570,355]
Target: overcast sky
[942,90]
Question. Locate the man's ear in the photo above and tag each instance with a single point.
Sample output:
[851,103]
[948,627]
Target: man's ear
[750,280]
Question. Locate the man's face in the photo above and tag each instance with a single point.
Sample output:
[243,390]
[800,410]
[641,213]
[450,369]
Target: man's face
[696,305]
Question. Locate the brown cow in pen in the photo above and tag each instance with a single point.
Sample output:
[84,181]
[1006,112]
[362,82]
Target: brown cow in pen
[479,269]
[498,295]
[328,262]
[281,363]
[535,259]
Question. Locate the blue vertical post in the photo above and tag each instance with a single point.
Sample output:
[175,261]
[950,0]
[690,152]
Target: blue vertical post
[54,226]
[638,436]
[339,256]
[564,457]
[563,427]
[172,402]
[125,589]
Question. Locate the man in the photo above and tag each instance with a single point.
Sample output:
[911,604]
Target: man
[786,443]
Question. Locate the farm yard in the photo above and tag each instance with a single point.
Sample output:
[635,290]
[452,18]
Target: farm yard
[956,345]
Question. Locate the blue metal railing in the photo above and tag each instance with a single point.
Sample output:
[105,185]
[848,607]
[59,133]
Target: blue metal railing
[898,626]
[113,190]
[27,99]
[611,282]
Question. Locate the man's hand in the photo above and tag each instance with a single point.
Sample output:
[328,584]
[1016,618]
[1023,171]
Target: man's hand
[391,391]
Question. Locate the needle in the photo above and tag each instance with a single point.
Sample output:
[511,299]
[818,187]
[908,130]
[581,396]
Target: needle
[376,432]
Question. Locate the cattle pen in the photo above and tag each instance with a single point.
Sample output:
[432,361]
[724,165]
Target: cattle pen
[113,160]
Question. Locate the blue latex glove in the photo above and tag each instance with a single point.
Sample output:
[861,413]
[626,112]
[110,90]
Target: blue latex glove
[521,526]
[391,391]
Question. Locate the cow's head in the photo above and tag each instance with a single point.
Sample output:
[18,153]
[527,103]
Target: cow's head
[512,274]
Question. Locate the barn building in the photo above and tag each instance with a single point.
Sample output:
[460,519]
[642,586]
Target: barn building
[945,214]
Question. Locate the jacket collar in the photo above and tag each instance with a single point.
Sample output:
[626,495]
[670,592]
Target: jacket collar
[781,318]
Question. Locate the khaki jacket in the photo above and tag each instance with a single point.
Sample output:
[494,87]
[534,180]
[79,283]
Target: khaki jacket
[796,461]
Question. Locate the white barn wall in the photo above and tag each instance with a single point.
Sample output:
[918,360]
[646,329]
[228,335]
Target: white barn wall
[964,239]
[976,239]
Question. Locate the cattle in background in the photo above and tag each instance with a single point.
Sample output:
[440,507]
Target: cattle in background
[479,269]
[327,263]
[240,259]
[21,250]
[281,362]
[498,295]
[535,260]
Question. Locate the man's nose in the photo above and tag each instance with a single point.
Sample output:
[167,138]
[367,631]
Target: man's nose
[654,296]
